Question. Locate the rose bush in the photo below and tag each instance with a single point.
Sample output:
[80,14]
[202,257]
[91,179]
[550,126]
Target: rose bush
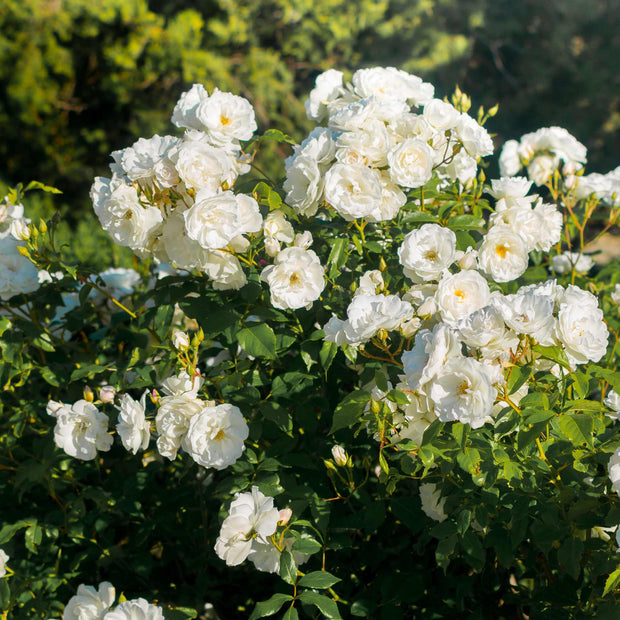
[373,370]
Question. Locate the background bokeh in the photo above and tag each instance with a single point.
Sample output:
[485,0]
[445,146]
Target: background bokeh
[79,79]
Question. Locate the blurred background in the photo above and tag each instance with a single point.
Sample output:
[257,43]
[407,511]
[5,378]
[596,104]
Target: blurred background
[81,78]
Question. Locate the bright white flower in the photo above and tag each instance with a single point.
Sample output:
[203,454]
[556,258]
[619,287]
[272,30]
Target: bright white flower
[509,160]
[119,282]
[411,163]
[427,251]
[182,384]
[367,145]
[17,274]
[180,340]
[355,114]
[106,394]
[90,603]
[503,254]
[463,168]
[81,429]
[328,87]
[266,556]
[184,114]
[225,271]
[432,502]
[582,331]
[430,353]
[251,517]
[541,168]
[355,191]
[392,199]
[215,436]
[388,83]
[296,279]
[612,400]
[277,228]
[485,330]
[304,185]
[146,160]
[173,420]
[463,391]
[203,166]
[334,331]
[461,294]
[614,470]
[184,252]
[4,558]
[440,115]
[136,609]
[367,314]
[567,261]
[510,187]
[531,313]
[318,146]
[226,117]
[53,407]
[615,295]
[474,137]
[133,428]
[214,221]
[303,240]
[339,455]
[371,283]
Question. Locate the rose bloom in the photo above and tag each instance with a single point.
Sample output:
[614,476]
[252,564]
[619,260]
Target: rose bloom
[203,166]
[251,516]
[89,603]
[427,251]
[215,436]
[81,429]
[461,294]
[614,470]
[136,609]
[328,87]
[173,419]
[432,502]
[296,279]
[411,163]
[304,185]
[355,191]
[612,400]
[463,391]
[133,428]
[503,254]
[17,273]
[224,270]
[567,261]
[184,113]
[4,558]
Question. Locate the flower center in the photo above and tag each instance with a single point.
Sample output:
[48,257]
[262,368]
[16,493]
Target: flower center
[294,279]
[459,293]
[220,435]
[463,388]
[430,255]
[501,250]
[224,120]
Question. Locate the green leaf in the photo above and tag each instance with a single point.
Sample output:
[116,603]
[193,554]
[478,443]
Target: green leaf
[270,606]
[278,415]
[582,404]
[465,222]
[279,136]
[569,556]
[181,613]
[307,546]
[290,614]
[349,410]
[45,188]
[319,580]
[468,459]
[33,537]
[577,428]
[288,568]
[555,354]
[258,341]
[325,604]
[337,256]
[518,376]
[8,531]
[327,354]
[396,396]
[612,582]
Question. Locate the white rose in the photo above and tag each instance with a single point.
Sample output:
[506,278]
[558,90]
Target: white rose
[304,185]
[142,160]
[225,271]
[612,400]
[392,199]
[17,274]
[296,279]
[509,160]
[4,558]
[251,516]
[367,145]
[173,419]
[427,251]
[462,167]
[203,166]
[354,191]
[119,282]
[411,163]
[215,436]
[614,470]
[180,340]
[440,114]
[387,83]
[463,392]
[318,146]
[541,168]
[184,114]
[226,117]
[510,187]
[567,261]
[371,283]
[417,417]
[461,294]
[530,313]
[582,331]
[90,603]
[473,136]
[432,502]
[183,251]
[328,87]
[367,314]
[486,331]
[81,429]
[503,254]
[615,295]
[133,428]
[278,227]
[136,609]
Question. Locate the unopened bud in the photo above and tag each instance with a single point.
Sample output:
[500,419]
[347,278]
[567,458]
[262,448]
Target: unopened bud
[42,226]
[329,464]
[340,456]
[411,327]
[383,335]
[382,264]
[19,230]
[154,396]
[88,394]
[284,516]
[107,394]
[180,340]
[375,406]
[469,260]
